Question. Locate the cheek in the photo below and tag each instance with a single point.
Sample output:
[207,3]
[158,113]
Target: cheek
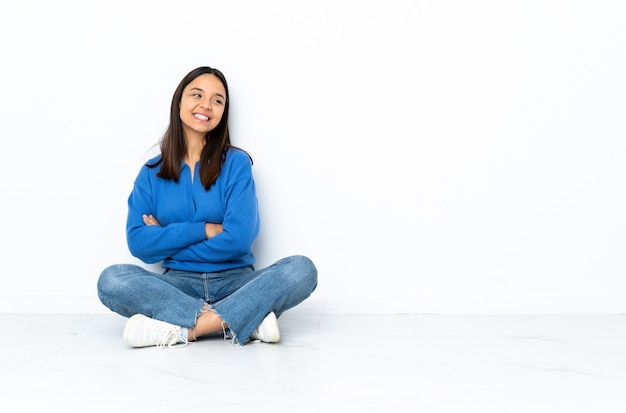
[219,116]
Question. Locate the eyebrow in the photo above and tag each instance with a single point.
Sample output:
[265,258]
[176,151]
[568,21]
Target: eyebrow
[218,94]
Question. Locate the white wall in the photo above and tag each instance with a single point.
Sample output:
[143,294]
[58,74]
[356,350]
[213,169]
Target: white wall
[429,156]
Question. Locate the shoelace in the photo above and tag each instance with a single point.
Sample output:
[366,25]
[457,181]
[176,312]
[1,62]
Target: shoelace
[167,340]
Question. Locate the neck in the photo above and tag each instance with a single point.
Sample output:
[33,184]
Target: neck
[194,149]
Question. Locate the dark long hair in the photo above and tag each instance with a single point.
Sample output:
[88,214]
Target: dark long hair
[217,141]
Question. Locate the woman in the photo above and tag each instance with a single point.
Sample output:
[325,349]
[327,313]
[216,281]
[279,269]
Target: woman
[194,208]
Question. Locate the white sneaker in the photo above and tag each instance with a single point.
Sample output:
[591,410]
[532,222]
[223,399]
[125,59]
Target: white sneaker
[268,330]
[142,331]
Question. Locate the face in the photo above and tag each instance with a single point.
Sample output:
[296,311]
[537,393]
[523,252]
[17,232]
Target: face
[202,105]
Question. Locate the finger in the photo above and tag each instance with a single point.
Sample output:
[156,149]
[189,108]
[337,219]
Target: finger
[149,220]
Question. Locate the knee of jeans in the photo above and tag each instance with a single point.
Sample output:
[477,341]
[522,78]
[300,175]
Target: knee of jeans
[109,279]
[307,272]
[105,281]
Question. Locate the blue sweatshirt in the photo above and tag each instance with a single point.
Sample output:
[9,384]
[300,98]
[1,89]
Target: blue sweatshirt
[183,207]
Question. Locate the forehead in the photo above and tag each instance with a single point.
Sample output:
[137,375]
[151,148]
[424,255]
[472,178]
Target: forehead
[208,83]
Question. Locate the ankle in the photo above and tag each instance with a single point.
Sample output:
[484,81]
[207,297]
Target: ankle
[191,334]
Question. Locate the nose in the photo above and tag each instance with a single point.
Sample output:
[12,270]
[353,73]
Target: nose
[207,104]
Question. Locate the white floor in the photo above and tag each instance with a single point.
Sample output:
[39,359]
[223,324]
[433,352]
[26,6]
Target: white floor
[339,363]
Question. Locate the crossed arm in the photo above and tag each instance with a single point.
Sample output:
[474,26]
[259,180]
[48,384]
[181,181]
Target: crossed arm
[210,229]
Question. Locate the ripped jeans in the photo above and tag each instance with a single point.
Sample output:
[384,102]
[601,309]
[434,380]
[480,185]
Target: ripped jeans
[242,297]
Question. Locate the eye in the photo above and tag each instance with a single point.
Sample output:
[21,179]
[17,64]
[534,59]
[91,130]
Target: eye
[196,95]
[218,101]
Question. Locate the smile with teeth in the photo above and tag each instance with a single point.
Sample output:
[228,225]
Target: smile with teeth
[200,117]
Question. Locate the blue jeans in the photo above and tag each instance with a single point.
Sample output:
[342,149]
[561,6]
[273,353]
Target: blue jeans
[242,297]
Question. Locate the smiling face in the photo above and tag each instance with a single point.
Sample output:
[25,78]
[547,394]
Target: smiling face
[202,105]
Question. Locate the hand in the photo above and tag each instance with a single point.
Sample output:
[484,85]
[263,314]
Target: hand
[149,220]
[212,230]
